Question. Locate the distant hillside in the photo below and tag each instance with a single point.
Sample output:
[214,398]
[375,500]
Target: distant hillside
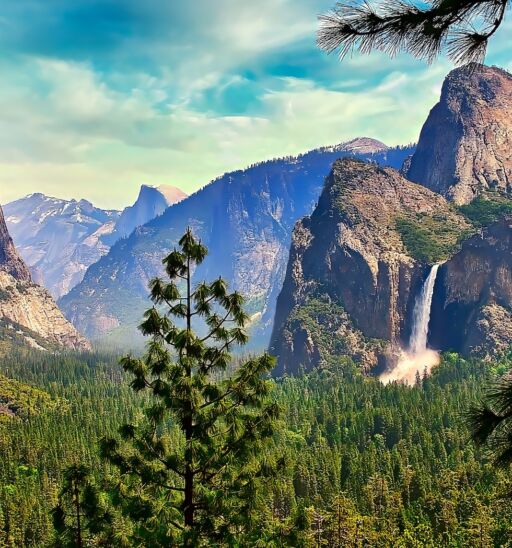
[58,239]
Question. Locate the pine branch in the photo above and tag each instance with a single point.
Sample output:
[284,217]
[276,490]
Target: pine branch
[422,31]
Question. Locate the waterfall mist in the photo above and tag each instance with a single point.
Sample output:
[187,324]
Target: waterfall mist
[417,358]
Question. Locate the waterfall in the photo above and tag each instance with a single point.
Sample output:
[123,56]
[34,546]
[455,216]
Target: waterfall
[421,314]
[418,358]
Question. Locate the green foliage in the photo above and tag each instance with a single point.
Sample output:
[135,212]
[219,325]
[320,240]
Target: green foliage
[21,400]
[191,468]
[430,238]
[322,319]
[487,209]
[80,518]
[461,28]
[398,458]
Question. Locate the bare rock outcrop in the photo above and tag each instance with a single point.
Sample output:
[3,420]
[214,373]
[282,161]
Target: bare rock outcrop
[472,306]
[465,146]
[25,306]
[10,261]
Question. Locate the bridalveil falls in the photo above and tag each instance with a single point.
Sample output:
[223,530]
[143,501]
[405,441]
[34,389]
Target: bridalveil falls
[417,358]
[421,314]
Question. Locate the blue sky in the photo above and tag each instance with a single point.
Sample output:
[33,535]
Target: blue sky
[98,97]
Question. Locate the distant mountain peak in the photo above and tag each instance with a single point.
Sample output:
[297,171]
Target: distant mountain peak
[364,145]
[152,201]
[172,194]
[359,145]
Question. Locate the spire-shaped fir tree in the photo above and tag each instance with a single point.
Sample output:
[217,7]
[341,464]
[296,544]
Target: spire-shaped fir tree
[189,474]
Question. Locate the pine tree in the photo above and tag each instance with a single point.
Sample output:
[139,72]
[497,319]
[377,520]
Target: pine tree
[79,515]
[491,421]
[204,488]
[461,27]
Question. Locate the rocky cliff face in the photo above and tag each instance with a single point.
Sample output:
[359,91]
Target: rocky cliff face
[465,146]
[358,264]
[244,217]
[58,239]
[351,281]
[27,309]
[472,306]
[10,262]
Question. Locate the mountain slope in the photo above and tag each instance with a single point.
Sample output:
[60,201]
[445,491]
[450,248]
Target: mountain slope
[465,146]
[244,217]
[58,238]
[26,308]
[351,279]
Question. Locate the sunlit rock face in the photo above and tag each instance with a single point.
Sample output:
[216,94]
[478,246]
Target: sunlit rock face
[465,146]
[25,306]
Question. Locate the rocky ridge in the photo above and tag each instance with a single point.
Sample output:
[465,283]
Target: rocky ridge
[351,281]
[26,307]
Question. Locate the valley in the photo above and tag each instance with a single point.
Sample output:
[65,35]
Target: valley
[338,400]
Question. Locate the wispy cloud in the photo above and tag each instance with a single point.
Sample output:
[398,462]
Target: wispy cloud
[98,97]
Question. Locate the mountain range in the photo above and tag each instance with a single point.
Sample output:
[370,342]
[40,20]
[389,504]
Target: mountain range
[59,239]
[330,266]
[245,218]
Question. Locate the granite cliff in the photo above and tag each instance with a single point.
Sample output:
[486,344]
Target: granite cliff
[352,278]
[358,264]
[465,146]
[27,311]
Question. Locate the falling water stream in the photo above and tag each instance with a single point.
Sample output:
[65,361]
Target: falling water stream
[421,314]
[417,358]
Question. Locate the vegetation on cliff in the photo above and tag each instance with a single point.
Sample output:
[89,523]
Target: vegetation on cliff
[431,238]
[487,208]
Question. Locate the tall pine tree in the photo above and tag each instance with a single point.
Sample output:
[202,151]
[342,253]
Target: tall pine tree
[204,488]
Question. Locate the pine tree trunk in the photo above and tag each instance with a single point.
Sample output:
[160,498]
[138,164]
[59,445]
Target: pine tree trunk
[188,502]
[78,521]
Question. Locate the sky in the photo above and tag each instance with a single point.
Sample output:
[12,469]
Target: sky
[99,97]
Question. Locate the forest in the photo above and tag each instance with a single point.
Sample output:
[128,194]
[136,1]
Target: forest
[364,464]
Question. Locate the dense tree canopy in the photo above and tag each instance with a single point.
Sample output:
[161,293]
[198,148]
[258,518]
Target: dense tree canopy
[364,463]
[461,28]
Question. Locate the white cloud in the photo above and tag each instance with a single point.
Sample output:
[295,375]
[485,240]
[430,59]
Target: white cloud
[88,139]
[68,128]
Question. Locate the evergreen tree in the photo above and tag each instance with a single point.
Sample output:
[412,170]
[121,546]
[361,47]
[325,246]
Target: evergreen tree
[79,515]
[461,27]
[200,486]
[491,422]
